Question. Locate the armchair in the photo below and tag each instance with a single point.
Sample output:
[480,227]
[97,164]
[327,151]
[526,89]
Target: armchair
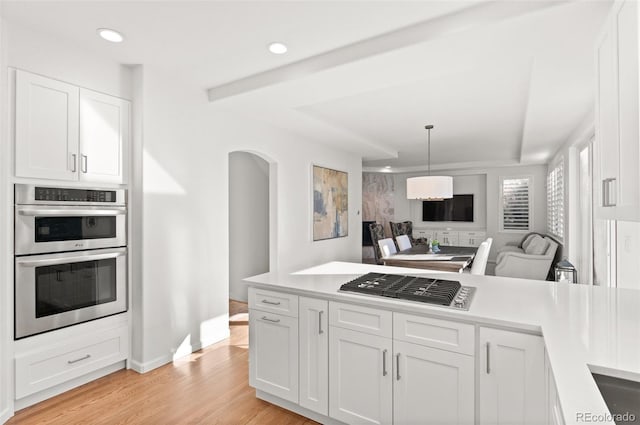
[516,262]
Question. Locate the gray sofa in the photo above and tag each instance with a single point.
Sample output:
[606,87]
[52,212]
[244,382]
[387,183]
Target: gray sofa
[514,261]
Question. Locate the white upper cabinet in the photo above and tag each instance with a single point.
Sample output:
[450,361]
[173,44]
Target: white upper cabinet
[64,132]
[512,378]
[46,128]
[104,132]
[617,116]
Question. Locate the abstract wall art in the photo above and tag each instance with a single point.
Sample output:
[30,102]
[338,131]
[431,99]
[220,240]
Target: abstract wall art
[330,203]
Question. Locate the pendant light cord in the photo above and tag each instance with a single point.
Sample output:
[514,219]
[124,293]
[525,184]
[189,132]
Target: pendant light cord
[428,127]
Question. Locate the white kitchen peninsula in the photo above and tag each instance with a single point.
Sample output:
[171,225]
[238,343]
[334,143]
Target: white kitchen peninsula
[556,333]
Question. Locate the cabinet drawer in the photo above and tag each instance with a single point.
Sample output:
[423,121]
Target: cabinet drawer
[39,370]
[275,302]
[436,333]
[362,319]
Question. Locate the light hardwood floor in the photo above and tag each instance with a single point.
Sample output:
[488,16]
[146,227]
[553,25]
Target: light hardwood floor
[209,387]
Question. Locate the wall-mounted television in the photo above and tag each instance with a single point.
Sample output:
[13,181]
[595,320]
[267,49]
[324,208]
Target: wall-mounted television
[458,208]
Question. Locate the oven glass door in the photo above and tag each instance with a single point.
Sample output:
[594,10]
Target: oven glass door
[57,290]
[48,229]
[71,286]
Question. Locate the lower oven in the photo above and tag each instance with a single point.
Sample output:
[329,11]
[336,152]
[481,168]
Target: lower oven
[62,289]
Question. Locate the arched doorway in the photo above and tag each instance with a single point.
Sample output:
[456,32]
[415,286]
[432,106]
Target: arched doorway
[252,220]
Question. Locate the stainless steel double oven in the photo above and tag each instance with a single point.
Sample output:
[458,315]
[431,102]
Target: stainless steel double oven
[70,256]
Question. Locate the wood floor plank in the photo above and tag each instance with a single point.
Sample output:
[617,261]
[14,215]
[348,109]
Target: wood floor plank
[210,386]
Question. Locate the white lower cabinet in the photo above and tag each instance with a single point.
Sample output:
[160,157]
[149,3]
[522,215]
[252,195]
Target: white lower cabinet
[554,412]
[432,386]
[512,378]
[273,354]
[360,377]
[314,354]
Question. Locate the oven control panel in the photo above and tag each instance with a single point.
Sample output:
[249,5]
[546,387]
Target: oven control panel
[74,195]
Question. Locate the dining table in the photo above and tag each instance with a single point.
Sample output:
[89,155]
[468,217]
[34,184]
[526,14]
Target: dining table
[447,258]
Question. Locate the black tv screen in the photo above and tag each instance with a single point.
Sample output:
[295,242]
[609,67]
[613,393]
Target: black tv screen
[458,208]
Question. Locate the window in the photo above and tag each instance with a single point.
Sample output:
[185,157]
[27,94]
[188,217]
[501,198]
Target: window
[515,204]
[555,200]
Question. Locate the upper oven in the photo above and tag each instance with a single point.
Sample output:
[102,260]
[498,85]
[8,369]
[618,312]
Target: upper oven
[49,219]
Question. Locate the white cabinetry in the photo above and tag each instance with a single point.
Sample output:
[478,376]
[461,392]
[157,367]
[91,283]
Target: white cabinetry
[554,412]
[273,342]
[453,237]
[46,128]
[64,132]
[432,386]
[43,368]
[314,355]
[617,116]
[360,377]
[448,238]
[511,378]
[104,131]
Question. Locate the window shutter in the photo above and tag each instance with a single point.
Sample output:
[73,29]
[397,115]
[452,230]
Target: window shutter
[555,201]
[515,204]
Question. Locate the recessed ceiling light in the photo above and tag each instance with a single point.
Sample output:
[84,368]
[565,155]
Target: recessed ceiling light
[277,48]
[387,166]
[110,35]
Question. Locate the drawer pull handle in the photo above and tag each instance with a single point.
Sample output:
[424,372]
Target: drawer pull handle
[320,331]
[488,358]
[79,360]
[270,302]
[270,320]
[384,362]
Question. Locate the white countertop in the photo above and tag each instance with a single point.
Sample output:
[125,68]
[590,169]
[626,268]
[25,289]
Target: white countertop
[583,326]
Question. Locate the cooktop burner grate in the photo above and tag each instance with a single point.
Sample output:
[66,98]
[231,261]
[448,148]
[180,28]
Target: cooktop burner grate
[422,289]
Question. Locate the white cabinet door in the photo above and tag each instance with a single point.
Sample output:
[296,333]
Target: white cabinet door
[314,355]
[448,238]
[626,23]
[273,354]
[511,378]
[360,372]
[432,386]
[607,119]
[554,412]
[104,134]
[46,128]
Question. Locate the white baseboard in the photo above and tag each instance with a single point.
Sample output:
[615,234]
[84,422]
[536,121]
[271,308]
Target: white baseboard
[5,415]
[212,338]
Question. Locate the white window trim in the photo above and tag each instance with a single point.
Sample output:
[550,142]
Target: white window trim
[501,228]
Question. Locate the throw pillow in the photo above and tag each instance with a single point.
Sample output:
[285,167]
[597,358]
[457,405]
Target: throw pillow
[527,241]
[537,246]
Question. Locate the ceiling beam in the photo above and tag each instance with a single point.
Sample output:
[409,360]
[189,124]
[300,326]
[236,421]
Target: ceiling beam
[476,16]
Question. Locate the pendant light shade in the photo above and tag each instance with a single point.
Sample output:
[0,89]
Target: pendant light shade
[431,188]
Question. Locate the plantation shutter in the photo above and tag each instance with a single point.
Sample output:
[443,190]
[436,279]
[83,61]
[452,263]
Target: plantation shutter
[515,204]
[555,201]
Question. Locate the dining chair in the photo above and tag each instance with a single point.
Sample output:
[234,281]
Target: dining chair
[479,265]
[377,233]
[403,242]
[387,247]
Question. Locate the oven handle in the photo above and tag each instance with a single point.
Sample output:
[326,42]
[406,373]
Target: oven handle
[64,260]
[41,212]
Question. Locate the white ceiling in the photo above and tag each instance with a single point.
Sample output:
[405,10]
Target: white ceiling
[506,92]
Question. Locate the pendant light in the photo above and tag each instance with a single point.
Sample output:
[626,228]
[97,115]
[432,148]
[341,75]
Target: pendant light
[430,188]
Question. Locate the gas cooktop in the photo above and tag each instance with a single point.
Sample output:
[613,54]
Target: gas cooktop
[448,293]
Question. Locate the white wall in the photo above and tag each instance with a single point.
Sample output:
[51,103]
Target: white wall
[6,287]
[248,220]
[186,144]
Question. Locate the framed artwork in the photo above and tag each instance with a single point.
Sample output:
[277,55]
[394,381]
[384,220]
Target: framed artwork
[330,203]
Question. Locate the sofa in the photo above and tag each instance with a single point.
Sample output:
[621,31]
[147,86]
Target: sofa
[532,259]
